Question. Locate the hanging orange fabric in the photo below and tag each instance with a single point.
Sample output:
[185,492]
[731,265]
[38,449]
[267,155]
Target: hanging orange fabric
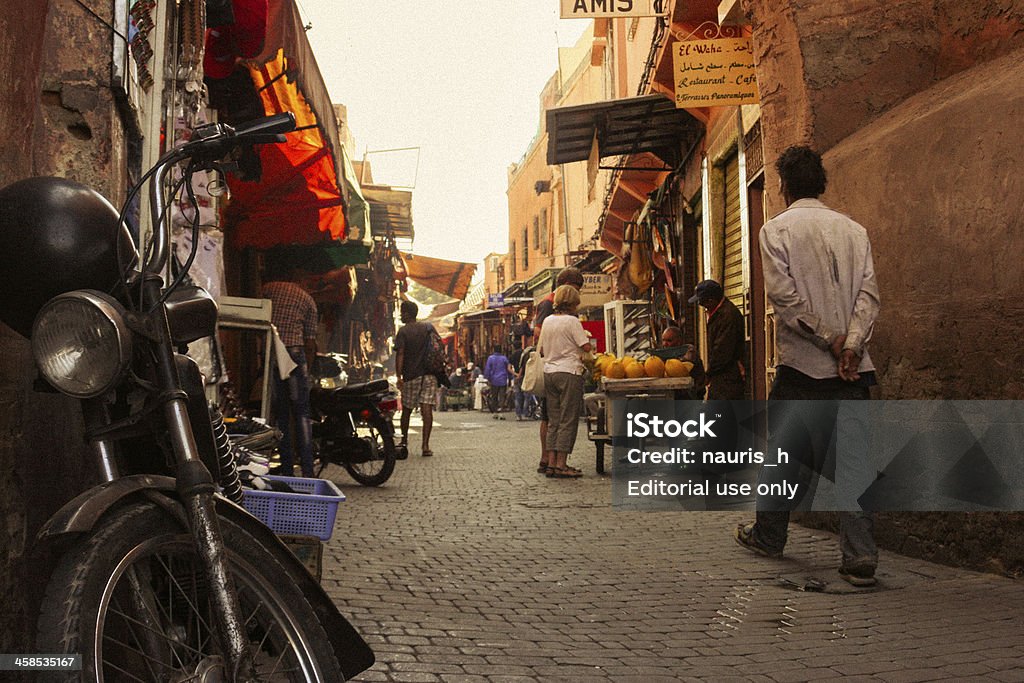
[297,199]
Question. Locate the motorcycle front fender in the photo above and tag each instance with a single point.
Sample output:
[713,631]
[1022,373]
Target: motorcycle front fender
[354,655]
[83,512]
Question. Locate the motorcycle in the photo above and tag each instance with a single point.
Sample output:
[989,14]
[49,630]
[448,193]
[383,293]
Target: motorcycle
[352,423]
[162,574]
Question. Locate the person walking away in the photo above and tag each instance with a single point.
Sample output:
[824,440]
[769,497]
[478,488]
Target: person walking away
[725,373]
[497,370]
[820,279]
[567,276]
[563,341]
[294,314]
[418,387]
[518,361]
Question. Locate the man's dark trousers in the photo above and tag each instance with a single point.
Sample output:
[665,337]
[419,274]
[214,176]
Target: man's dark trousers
[856,534]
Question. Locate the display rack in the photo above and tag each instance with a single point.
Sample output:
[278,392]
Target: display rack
[627,326]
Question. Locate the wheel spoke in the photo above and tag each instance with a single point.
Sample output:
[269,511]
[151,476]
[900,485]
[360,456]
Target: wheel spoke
[115,667]
[195,609]
[130,622]
[147,658]
[163,635]
[259,648]
[277,663]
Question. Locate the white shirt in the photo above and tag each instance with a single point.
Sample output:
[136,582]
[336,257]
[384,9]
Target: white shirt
[820,279]
[562,338]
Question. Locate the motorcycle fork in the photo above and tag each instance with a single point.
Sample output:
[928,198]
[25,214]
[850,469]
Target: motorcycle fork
[96,415]
[196,489]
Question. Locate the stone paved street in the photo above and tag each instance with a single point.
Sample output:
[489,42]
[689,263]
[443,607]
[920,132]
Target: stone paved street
[469,566]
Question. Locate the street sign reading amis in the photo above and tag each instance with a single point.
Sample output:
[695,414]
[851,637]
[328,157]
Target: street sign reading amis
[597,9]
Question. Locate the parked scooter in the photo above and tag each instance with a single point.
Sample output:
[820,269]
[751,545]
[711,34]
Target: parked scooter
[352,423]
[160,577]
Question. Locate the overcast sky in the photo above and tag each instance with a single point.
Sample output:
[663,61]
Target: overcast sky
[461,80]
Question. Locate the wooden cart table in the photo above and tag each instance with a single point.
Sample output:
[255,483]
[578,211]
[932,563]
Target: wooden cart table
[600,420]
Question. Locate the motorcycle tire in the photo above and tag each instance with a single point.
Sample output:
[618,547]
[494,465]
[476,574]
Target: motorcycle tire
[376,472]
[164,631]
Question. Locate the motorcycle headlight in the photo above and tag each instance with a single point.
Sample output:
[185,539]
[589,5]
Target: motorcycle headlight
[81,343]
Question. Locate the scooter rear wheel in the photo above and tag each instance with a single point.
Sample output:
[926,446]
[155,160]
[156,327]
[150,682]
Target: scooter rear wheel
[378,469]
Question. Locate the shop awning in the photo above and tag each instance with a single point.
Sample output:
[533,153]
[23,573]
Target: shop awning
[540,282]
[320,257]
[486,314]
[650,123]
[357,208]
[516,289]
[390,211]
[442,310]
[448,277]
[298,198]
[474,298]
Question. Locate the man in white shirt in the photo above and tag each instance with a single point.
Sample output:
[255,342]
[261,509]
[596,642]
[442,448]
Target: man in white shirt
[820,280]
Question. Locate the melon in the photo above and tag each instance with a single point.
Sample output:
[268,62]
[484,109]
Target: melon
[635,370]
[654,367]
[678,368]
[615,370]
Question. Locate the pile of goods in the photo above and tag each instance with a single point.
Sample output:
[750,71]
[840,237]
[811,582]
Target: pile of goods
[607,365]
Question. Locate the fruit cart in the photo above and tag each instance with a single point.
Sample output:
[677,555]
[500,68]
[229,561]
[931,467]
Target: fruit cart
[600,415]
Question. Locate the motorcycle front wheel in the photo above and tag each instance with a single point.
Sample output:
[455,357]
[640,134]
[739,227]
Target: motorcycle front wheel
[378,468]
[131,598]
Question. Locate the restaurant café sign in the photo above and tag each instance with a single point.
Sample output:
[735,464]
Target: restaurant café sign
[599,9]
[714,73]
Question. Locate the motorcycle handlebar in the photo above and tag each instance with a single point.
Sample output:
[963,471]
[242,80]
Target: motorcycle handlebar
[209,143]
[271,125]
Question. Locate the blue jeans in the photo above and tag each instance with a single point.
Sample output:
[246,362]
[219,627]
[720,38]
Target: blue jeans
[520,403]
[291,401]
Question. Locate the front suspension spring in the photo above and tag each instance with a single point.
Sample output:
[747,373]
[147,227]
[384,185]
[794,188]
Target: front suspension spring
[229,481]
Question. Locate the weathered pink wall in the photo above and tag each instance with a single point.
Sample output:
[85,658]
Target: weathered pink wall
[59,116]
[21,43]
[939,183]
[827,69]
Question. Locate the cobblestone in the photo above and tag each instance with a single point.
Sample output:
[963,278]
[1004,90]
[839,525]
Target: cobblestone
[470,567]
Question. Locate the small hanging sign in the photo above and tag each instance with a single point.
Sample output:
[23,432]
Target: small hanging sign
[714,73]
[597,9]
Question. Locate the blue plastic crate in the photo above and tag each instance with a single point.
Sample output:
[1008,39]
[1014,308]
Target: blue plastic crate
[308,512]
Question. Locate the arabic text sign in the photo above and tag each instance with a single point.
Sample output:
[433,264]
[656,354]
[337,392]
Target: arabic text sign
[596,9]
[714,73]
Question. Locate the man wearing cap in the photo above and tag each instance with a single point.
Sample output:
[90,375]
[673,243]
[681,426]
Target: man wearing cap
[725,372]
[820,280]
